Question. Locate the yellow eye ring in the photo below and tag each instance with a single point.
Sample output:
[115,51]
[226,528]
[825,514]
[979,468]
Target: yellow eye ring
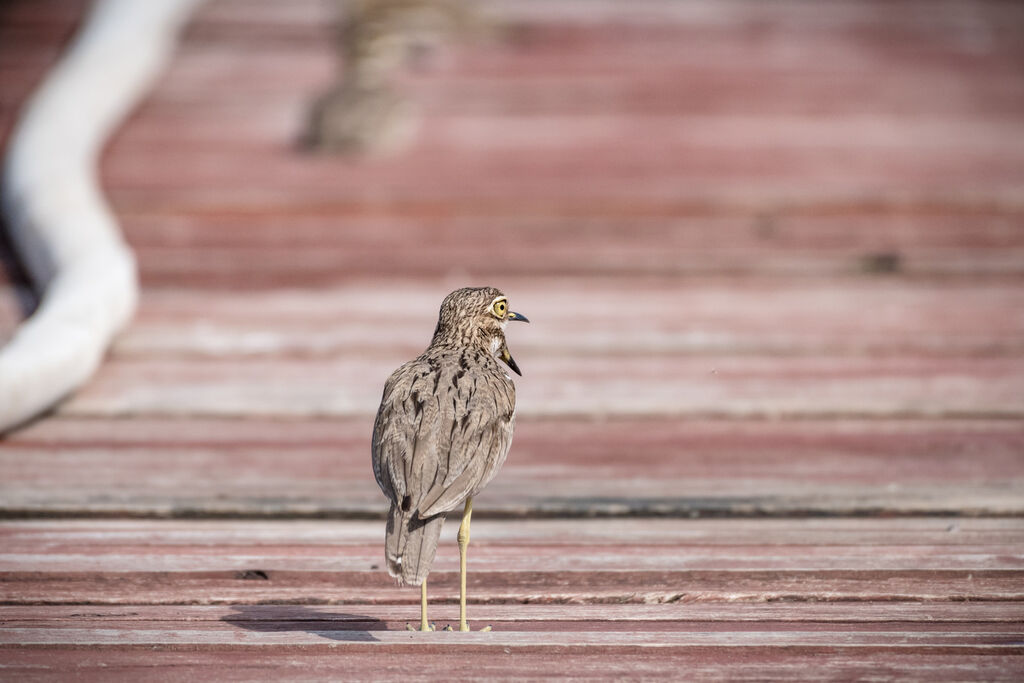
[499,307]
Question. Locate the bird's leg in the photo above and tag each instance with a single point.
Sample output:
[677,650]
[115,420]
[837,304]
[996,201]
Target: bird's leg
[467,512]
[424,624]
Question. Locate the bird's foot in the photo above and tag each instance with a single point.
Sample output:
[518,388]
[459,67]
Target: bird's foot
[410,627]
[466,628]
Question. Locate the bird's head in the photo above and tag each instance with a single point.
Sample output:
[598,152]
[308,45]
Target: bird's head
[476,316]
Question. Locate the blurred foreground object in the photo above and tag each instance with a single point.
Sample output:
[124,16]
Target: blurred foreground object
[365,112]
[60,224]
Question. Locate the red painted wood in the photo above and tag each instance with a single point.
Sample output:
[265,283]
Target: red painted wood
[693,203]
[222,466]
[348,589]
[670,385]
[427,253]
[645,562]
[755,315]
[589,117]
[988,616]
[324,536]
[402,641]
[242,663]
[685,230]
[552,546]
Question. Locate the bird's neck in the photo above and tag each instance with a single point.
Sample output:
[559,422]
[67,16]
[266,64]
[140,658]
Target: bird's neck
[487,341]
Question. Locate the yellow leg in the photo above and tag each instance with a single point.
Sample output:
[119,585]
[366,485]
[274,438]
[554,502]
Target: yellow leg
[424,624]
[463,544]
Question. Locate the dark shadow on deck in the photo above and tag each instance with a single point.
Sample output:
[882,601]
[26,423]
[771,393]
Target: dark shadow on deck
[354,628]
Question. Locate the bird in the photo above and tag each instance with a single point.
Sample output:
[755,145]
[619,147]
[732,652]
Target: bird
[442,432]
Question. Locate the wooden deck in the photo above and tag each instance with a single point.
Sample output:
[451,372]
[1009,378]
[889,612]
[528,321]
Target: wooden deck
[771,424]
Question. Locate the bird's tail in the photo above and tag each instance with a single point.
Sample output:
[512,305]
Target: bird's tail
[410,545]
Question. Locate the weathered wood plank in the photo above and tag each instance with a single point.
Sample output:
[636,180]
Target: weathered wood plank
[712,664]
[625,134]
[559,69]
[470,137]
[651,316]
[338,242]
[404,641]
[864,45]
[592,316]
[337,588]
[548,117]
[670,238]
[708,616]
[670,384]
[323,536]
[857,13]
[598,172]
[566,557]
[649,561]
[153,466]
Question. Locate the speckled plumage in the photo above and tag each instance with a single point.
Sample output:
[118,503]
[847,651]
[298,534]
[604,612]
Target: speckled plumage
[444,427]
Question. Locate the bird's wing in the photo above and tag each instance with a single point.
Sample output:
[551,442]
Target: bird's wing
[409,433]
[440,435]
[482,412]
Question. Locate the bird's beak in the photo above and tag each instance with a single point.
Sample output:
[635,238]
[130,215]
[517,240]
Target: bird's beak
[509,361]
[505,355]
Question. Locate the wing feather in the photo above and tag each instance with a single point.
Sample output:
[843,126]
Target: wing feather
[480,439]
[441,434]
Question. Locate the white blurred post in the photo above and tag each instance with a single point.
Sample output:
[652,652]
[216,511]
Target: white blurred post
[60,224]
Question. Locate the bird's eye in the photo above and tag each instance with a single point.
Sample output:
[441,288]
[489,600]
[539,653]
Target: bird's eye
[499,307]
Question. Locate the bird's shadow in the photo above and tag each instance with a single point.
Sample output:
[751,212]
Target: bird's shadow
[353,628]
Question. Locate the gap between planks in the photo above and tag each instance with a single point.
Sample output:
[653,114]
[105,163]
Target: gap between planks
[952,641]
[876,615]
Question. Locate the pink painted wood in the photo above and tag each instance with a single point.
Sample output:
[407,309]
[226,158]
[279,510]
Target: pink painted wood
[771,423]
[578,467]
